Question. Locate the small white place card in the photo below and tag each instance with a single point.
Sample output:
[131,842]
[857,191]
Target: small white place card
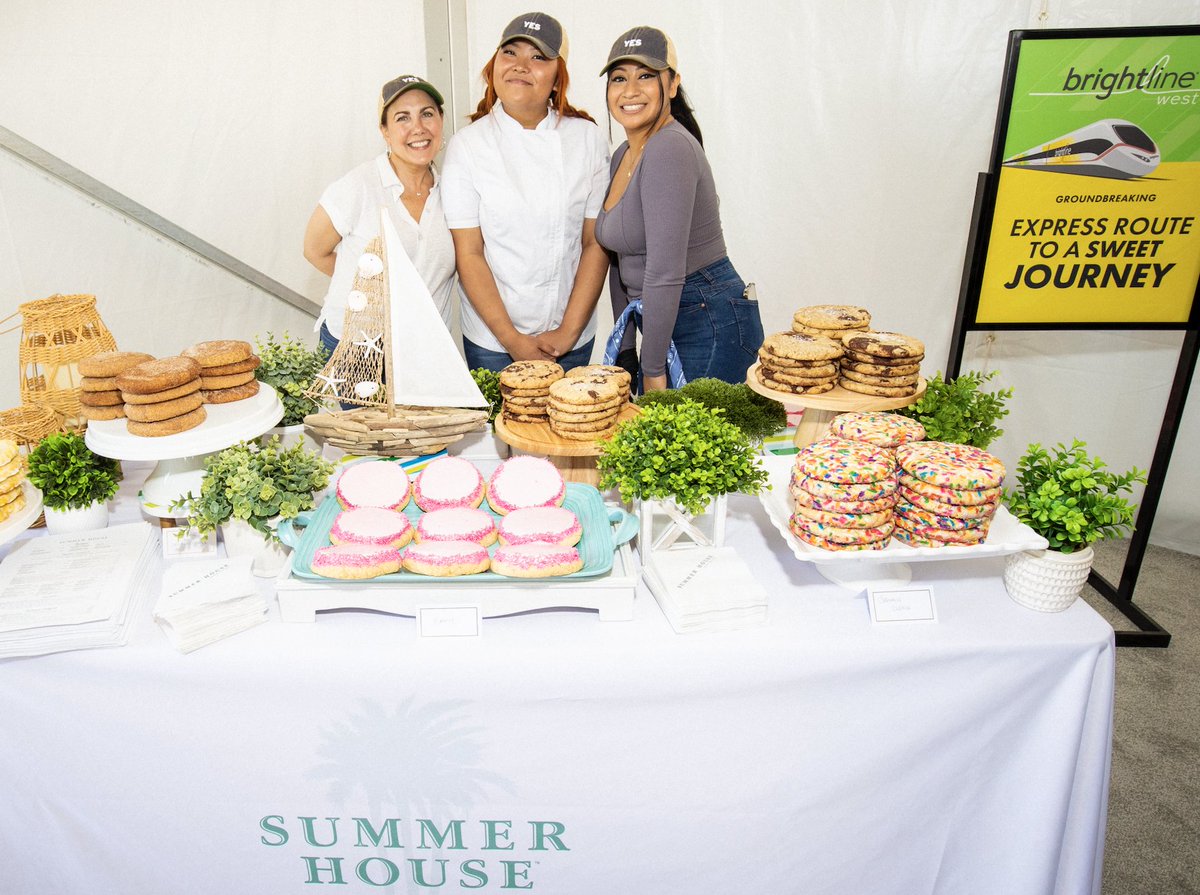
[901,604]
[449,621]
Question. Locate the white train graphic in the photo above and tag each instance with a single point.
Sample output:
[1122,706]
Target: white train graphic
[1107,148]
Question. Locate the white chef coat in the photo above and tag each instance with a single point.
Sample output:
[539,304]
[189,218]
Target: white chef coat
[529,191]
[353,204]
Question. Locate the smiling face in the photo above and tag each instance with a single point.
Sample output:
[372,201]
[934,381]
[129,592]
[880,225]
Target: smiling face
[412,128]
[523,75]
[637,95]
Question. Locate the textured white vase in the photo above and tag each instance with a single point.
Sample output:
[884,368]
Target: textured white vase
[242,539]
[89,518]
[1047,580]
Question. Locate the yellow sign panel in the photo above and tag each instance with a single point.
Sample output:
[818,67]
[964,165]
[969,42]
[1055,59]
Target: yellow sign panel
[1070,249]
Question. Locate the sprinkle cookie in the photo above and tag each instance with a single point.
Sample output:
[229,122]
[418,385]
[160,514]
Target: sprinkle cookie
[958,466]
[838,460]
[803,498]
[964,496]
[845,490]
[874,427]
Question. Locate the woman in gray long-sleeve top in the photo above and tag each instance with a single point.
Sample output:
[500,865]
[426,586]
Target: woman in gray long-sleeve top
[661,219]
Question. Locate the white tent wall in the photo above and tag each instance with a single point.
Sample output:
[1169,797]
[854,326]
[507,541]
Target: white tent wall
[845,138]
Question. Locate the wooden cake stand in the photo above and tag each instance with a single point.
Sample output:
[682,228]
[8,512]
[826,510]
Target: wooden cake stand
[576,460]
[819,410]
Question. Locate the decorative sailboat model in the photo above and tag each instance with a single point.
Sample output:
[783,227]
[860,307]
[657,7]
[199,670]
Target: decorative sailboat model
[397,363]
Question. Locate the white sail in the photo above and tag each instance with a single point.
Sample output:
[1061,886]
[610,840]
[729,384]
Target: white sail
[426,366]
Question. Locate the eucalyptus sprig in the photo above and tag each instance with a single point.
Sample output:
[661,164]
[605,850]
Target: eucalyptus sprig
[686,452]
[1070,498]
[69,475]
[255,484]
[289,366]
[959,411]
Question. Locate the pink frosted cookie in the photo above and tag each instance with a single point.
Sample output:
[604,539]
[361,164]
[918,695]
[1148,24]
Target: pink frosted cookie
[877,428]
[448,482]
[844,462]
[535,560]
[373,483]
[444,559]
[957,466]
[457,524]
[371,527]
[525,482]
[355,561]
[548,525]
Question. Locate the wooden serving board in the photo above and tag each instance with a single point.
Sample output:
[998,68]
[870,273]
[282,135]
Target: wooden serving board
[819,410]
[576,460]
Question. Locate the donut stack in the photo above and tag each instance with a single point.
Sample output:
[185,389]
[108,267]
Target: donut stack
[948,493]
[885,365]
[12,474]
[525,388]
[883,430]
[585,408]
[99,397]
[162,397]
[831,321]
[799,363]
[843,493]
[226,370]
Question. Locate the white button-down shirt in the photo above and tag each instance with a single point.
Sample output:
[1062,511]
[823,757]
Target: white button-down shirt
[353,204]
[529,192]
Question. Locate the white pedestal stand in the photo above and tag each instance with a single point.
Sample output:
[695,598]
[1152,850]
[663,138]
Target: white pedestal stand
[180,458]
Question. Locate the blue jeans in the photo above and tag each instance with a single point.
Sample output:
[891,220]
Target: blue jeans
[717,331]
[496,361]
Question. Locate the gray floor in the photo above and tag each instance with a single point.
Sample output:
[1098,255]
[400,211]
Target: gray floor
[1153,843]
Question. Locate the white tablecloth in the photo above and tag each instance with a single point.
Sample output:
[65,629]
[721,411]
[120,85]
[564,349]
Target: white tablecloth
[563,755]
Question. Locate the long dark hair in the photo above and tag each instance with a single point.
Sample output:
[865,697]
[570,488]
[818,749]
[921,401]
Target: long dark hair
[682,112]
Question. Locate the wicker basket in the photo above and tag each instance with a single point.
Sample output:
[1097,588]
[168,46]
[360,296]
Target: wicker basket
[29,424]
[56,332]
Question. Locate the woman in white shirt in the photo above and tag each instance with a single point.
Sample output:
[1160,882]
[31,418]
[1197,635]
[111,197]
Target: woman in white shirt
[522,185]
[401,179]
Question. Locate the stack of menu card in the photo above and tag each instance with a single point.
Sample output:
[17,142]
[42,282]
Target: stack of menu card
[207,600]
[704,589]
[75,591]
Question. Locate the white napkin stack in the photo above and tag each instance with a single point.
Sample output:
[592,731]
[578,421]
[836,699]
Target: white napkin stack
[704,589]
[203,601]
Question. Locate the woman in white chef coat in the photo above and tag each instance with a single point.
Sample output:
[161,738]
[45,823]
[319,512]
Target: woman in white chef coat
[401,179]
[522,185]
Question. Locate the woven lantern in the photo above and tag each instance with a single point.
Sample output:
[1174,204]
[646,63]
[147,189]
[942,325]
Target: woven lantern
[56,332]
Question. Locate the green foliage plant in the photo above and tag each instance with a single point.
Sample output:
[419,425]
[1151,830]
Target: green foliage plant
[489,383]
[69,475]
[959,410]
[756,415]
[290,366]
[686,452]
[256,483]
[1070,498]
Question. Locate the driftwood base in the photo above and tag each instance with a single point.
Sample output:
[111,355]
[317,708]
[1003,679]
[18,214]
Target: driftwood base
[402,431]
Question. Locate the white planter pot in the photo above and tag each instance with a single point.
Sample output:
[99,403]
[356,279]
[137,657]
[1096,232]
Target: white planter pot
[664,525]
[1047,580]
[89,518]
[241,539]
[291,435]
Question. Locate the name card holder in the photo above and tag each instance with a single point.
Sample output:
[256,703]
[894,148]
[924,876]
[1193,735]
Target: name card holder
[901,604]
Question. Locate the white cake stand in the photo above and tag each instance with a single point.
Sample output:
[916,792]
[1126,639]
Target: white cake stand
[180,458]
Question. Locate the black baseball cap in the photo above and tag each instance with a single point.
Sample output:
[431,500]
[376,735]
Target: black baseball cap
[647,46]
[401,85]
[543,31]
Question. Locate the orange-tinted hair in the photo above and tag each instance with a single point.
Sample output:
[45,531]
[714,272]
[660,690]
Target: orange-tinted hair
[558,96]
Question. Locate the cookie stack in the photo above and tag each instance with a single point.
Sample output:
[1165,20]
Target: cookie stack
[831,321]
[585,408]
[12,474]
[226,370]
[798,363]
[162,397]
[884,430]
[603,373]
[99,396]
[843,493]
[948,493]
[525,388]
[885,365]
